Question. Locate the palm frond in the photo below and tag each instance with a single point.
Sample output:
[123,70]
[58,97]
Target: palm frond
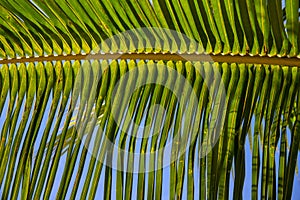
[78,80]
[38,28]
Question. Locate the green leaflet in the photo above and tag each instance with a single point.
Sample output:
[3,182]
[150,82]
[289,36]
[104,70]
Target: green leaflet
[253,95]
[82,27]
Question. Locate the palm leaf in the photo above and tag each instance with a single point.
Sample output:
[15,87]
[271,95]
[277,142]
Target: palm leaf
[78,79]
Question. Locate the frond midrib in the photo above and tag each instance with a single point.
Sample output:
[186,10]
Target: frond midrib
[247,59]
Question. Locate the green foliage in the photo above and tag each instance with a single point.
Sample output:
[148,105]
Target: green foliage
[61,118]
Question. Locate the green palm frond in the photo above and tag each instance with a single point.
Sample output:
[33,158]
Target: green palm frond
[78,80]
[64,28]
